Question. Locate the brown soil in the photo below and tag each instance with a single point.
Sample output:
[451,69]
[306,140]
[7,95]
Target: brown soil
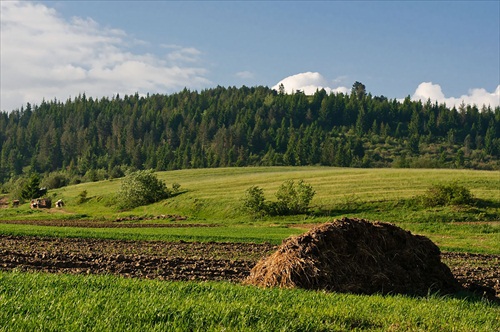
[119,223]
[145,259]
[185,260]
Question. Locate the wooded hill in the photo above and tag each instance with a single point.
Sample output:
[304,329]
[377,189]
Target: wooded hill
[91,139]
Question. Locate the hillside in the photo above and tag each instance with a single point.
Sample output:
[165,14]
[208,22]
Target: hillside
[86,139]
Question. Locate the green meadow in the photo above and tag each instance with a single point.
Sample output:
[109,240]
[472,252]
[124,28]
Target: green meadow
[212,198]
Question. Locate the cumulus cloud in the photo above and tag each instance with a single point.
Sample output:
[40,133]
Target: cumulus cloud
[44,55]
[308,83]
[478,97]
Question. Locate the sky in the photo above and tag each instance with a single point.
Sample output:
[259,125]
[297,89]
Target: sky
[448,51]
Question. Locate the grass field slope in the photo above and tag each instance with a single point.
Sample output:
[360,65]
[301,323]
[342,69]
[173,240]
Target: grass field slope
[214,197]
[208,210]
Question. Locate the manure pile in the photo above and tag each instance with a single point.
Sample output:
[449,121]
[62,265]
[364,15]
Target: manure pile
[356,256]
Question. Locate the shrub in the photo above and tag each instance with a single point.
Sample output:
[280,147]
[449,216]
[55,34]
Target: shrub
[447,194]
[294,199]
[116,172]
[291,199]
[254,201]
[82,197]
[56,180]
[176,187]
[142,188]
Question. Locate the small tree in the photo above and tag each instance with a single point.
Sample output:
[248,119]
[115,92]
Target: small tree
[142,188]
[254,201]
[31,188]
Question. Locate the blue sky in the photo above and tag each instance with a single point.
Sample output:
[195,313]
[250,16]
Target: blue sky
[448,51]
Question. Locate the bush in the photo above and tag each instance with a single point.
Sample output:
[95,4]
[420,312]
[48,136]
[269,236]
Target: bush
[254,201]
[82,197]
[294,199]
[291,199]
[176,187]
[14,187]
[447,194]
[142,188]
[56,180]
[116,172]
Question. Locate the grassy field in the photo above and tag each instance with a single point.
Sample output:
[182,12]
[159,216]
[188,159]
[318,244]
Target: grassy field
[213,196]
[32,301]
[37,302]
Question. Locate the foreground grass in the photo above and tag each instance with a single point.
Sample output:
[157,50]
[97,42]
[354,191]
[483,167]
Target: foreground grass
[35,302]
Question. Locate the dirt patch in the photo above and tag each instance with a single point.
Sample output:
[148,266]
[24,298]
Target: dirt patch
[106,224]
[145,259]
[476,272]
[357,256]
[183,260]
[171,217]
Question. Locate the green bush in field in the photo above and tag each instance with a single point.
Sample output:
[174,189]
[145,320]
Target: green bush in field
[291,199]
[447,194]
[82,197]
[56,180]
[254,201]
[142,188]
[176,187]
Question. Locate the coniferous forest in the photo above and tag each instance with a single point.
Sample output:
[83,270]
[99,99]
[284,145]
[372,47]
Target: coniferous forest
[87,139]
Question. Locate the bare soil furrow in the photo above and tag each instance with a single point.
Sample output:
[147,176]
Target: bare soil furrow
[186,260]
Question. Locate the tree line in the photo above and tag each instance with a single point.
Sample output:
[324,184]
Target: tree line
[89,139]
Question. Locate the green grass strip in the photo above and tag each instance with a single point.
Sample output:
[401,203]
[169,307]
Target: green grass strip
[44,302]
[256,234]
[462,237]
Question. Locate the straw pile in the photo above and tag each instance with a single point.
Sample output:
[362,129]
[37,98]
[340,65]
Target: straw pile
[356,256]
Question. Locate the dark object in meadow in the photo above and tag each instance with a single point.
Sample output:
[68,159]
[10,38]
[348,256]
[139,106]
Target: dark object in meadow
[41,203]
[356,256]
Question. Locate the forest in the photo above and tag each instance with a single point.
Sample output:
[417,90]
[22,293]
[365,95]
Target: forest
[87,139]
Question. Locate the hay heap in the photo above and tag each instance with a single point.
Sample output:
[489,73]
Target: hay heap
[356,256]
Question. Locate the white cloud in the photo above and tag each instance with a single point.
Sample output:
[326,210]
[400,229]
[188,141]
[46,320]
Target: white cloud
[308,83]
[44,55]
[478,97]
[245,74]
[183,54]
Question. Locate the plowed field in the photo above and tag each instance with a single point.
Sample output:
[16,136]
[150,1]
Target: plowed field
[187,260]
